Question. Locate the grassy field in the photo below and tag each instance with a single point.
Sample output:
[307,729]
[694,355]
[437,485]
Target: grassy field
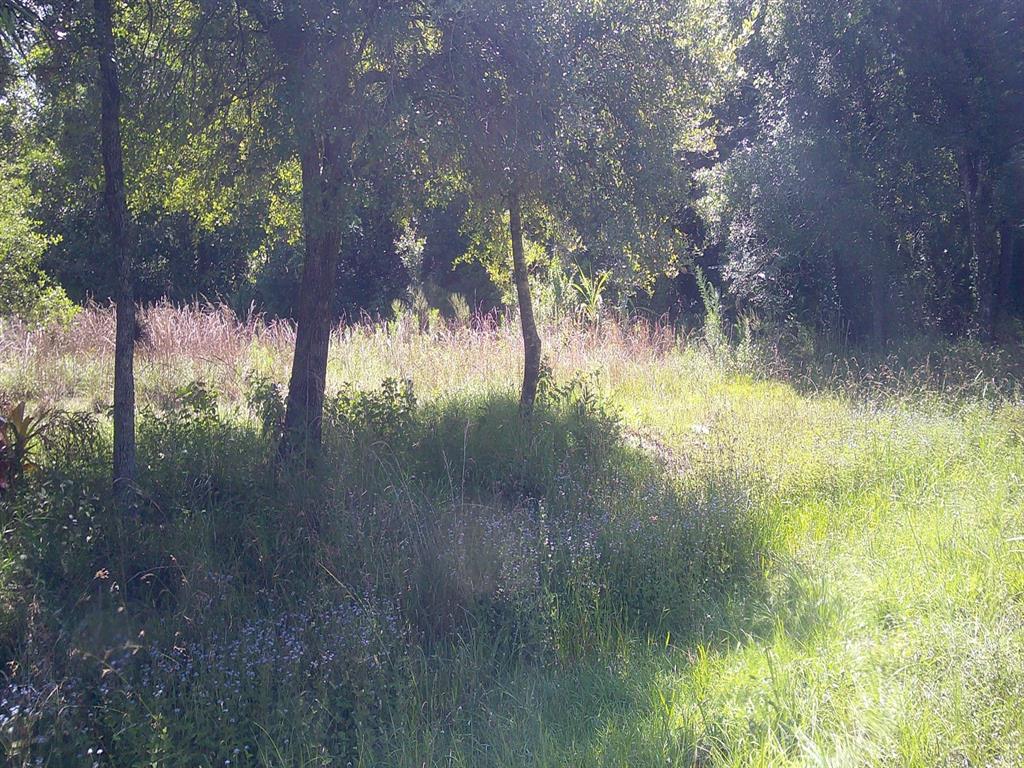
[686,560]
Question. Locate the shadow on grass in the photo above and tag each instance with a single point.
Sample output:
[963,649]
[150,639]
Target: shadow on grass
[641,702]
[647,575]
[462,550]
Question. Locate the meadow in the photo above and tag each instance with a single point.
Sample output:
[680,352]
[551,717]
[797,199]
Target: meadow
[696,553]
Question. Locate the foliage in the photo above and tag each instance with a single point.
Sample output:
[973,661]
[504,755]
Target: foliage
[848,208]
[25,290]
[590,290]
[462,314]
[714,330]
[19,432]
[386,414]
[266,403]
[766,547]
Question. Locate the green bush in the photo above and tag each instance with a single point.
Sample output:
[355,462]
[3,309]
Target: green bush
[25,291]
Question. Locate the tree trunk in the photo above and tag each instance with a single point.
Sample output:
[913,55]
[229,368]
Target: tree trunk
[977,191]
[1007,272]
[881,289]
[117,210]
[531,339]
[322,227]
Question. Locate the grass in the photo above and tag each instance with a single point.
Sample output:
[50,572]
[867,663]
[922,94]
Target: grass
[744,568]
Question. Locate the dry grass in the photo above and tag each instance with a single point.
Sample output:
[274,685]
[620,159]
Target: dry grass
[73,366]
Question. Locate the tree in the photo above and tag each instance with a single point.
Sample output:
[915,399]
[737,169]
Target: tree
[25,290]
[45,19]
[340,65]
[549,106]
[195,146]
[119,220]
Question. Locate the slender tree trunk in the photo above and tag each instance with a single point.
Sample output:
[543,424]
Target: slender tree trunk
[977,192]
[1007,272]
[322,228]
[881,291]
[117,211]
[531,339]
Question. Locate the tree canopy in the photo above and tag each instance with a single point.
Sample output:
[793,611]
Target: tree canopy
[853,167]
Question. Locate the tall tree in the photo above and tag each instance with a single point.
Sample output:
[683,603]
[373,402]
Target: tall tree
[549,107]
[121,242]
[341,63]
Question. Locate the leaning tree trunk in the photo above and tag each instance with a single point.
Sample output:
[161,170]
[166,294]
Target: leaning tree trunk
[976,188]
[531,339]
[117,211]
[321,223]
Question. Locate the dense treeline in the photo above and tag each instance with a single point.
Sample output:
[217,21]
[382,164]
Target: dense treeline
[853,167]
[880,187]
[850,164]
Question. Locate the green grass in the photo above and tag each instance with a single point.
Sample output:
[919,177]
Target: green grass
[892,630]
[876,618]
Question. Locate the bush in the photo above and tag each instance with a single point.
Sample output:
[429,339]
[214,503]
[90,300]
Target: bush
[25,291]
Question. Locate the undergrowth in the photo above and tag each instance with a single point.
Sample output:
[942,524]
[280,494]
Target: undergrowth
[687,557]
[249,610]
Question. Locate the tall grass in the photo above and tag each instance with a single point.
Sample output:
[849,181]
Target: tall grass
[73,365]
[686,559]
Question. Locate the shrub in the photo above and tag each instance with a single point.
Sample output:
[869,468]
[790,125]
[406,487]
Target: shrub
[266,403]
[25,291]
[387,413]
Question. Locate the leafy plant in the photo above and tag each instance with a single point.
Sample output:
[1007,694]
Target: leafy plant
[427,317]
[266,402]
[198,398]
[590,289]
[25,290]
[714,326]
[18,434]
[387,412]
